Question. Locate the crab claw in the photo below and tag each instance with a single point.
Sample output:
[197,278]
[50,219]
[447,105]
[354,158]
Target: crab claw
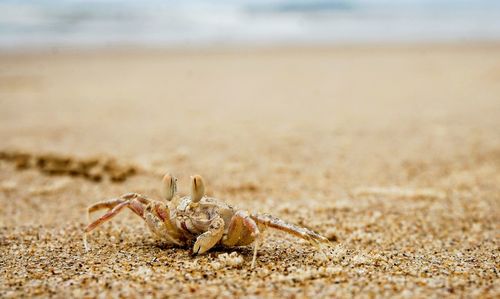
[169,186]
[197,188]
[209,238]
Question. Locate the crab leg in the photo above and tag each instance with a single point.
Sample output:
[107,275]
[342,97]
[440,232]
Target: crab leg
[243,231]
[234,230]
[111,203]
[270,221]
[135,205]
[157,217]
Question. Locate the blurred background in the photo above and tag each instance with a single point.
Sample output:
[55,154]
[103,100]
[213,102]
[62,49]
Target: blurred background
[245,77]
[79,23]
[240,77]
[309,91]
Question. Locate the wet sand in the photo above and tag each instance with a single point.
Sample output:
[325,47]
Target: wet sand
[391,152]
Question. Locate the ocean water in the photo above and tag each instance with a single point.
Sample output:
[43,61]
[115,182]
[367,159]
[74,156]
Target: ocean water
[105,23]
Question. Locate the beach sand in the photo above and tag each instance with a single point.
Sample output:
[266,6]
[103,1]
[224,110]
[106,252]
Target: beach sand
[392,152]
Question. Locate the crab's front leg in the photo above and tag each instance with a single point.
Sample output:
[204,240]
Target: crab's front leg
[209,238]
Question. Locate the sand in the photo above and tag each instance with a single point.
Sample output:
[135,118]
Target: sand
[392,152]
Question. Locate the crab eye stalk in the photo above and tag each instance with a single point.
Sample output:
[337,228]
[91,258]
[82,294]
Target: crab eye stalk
[197,188]
[169,187]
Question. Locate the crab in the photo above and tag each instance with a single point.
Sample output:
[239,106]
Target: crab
[197,220]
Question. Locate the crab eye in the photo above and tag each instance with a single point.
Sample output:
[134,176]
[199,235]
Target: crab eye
[169,186]
[197,188]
